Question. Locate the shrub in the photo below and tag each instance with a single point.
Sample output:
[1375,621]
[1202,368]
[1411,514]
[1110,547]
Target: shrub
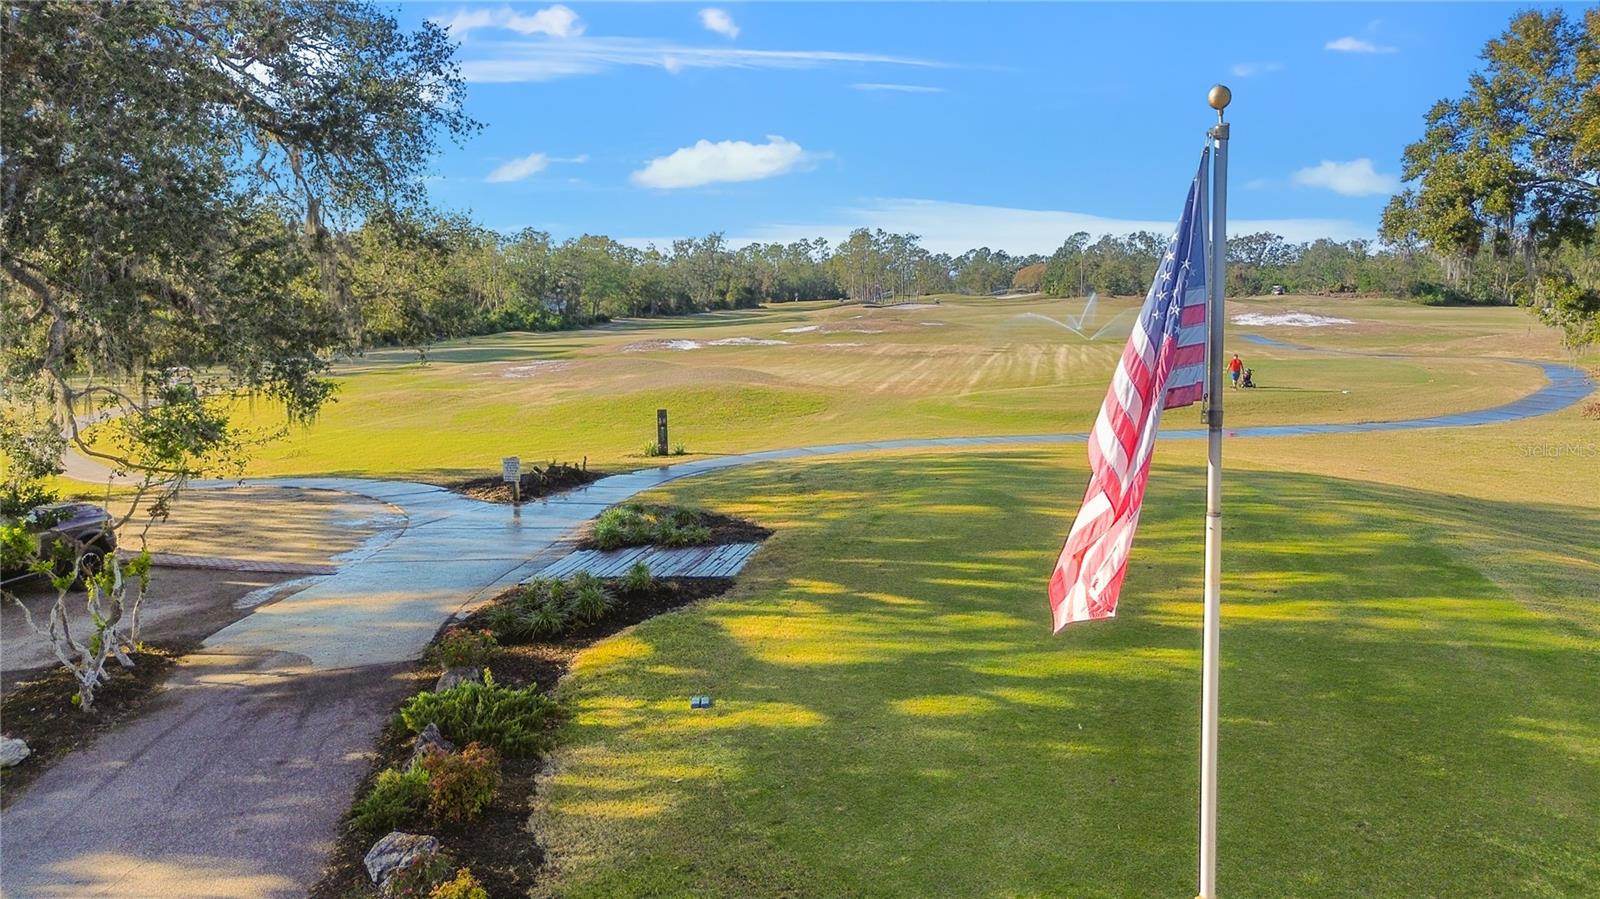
[582,581]
[461,784]
[509,720]
[556,592]
[591,603]
[397,799]
[463,886]
[461,647]
[509,623]
[691,535]
[633,525]
[420,878]
[548,620]
[534,592]
[638,579]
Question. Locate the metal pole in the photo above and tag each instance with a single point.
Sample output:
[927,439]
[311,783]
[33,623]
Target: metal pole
[1220,96]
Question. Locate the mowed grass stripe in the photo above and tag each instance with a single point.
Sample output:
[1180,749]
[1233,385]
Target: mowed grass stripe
[987,368]
[893,718]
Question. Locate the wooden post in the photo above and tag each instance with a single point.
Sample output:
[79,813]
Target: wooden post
[661,432]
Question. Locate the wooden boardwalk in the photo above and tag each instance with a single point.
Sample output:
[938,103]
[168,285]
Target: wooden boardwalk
[693,561]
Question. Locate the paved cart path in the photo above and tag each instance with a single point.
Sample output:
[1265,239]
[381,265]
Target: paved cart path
[233,783]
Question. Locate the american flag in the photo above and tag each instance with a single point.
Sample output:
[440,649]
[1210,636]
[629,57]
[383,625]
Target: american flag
[1163,366]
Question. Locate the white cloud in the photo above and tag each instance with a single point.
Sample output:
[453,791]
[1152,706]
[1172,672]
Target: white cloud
[1356,178]
[728,160]
[901,88]
[719,21]
[556,21]
[1349,44]
[544,59]
[1251,69]
[518,169]
[957,227]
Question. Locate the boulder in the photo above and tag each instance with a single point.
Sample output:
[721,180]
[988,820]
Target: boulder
[12,751]
[430,740]
[395,851]
[458,675]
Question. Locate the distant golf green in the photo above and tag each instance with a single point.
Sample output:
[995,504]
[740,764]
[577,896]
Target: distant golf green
[809,373]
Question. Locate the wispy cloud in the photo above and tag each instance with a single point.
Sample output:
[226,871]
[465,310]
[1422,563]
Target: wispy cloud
[544,60]
[1356,178]
[728,160]
[525,167]
[900,88]
[1252,69]
[957,227]
[556,21]
[1348,44]
[518,169]
[719,21]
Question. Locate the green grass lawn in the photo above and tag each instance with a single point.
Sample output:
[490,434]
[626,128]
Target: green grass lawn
[1406,711]
[967,366]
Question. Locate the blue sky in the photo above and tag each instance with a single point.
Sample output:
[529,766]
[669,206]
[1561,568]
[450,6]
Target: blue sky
[1008,126]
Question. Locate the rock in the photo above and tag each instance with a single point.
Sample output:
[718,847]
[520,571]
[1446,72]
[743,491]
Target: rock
[430,740]
[460,674]
[395,851]
[12,751]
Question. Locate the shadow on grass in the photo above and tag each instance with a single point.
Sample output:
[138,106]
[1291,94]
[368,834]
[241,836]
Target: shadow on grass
[893,717]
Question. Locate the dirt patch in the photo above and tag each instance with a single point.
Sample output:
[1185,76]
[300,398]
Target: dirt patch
[39,710]
[723,529]
[556,477]
[498,847]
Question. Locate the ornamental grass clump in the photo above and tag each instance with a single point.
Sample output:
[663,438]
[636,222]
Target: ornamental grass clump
[636,525]
[638,579]
[591,603]
[509,720]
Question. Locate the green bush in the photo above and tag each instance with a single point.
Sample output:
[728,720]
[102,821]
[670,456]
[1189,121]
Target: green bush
[509,623]
[688,535]
[591,603]
[548,619]
[634,525]
[512,721]
[638,579]
[460,647]
[463,886]
[397,799]
[461,784]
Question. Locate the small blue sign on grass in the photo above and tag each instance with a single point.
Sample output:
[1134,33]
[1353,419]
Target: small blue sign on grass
[699,702]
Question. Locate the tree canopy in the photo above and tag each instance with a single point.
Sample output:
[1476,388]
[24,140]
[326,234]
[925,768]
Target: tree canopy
[176,184]
[1511,171]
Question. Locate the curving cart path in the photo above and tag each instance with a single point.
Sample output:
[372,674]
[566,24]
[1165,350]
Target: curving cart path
[233,783]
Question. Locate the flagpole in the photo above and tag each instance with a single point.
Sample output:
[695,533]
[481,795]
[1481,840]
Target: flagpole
[1219,99]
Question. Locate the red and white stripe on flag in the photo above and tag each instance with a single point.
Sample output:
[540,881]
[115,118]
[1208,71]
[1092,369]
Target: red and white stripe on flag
[1162,367]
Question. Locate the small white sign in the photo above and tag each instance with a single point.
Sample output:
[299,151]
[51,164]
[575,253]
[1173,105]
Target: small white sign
[511,469]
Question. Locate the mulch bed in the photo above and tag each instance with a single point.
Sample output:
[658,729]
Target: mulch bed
[536,482]
[39,710]
[725,529]
[498,848]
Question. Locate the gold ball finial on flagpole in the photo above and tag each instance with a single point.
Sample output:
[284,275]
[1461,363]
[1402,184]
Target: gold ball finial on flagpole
[1219,98]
